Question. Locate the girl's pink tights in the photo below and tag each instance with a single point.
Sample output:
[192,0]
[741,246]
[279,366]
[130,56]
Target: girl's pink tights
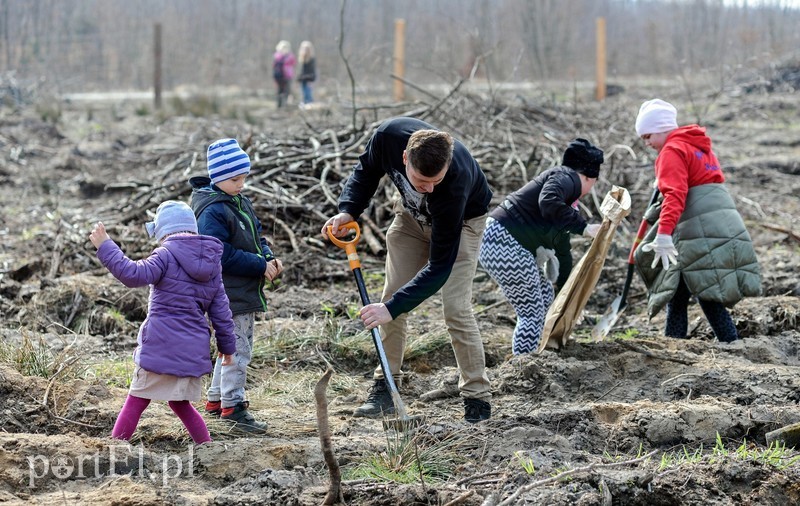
[134,406]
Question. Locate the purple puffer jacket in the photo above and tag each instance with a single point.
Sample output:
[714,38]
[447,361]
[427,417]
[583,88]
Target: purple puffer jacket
[186,278]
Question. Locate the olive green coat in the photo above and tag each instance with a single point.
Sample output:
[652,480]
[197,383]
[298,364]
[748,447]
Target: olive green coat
[715,253]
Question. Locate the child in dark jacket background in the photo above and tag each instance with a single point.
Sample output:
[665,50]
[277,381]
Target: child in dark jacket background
[308,71]
[247,263]
[173,342]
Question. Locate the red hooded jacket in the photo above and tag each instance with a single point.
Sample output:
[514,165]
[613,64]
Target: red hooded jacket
[685,161]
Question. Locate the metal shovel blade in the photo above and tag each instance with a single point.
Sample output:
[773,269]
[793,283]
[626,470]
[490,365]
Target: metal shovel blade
[604,324]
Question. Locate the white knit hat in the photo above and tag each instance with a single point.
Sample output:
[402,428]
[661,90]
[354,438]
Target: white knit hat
[226,160]
[656,116]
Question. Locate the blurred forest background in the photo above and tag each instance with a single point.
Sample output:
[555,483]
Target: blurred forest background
[100,45]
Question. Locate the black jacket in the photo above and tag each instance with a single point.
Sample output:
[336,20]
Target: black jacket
[541,213]
[463,194]
[308,71]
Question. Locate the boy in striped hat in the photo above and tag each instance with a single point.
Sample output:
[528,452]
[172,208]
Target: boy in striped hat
[247,264]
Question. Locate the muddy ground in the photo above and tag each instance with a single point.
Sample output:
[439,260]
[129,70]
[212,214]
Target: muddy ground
[636,419]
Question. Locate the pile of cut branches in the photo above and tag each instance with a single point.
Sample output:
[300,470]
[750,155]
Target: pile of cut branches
[296,179]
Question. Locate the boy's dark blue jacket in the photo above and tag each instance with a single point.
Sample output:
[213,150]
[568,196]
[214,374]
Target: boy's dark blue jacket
[232,220]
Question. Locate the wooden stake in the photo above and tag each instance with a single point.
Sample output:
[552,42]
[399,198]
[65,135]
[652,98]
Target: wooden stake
[157,66]
[399,58]
[334,495]
[600,90]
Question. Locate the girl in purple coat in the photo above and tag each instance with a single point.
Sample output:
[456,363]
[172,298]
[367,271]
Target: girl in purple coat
[185,278]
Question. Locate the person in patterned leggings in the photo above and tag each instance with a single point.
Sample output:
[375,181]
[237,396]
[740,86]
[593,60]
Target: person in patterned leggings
[526,247]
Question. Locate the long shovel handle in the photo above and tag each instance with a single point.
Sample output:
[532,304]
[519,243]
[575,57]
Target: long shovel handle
[636,242]
[355,266]
[378,341]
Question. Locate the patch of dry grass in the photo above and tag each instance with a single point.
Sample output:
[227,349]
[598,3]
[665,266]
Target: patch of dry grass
[411,457]
[284,398]
[32,355]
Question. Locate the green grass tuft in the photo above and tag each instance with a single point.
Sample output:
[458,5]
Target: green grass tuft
[35,357]
[408,459]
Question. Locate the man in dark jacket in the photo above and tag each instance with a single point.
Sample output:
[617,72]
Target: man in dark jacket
[432,244]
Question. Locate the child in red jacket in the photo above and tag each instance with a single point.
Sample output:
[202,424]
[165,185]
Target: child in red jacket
[716,261]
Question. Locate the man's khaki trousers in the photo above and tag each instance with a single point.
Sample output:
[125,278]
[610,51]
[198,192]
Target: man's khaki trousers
[407,246]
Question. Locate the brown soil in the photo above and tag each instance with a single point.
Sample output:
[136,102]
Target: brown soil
[588,404]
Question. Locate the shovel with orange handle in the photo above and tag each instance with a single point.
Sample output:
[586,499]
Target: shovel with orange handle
[404,421]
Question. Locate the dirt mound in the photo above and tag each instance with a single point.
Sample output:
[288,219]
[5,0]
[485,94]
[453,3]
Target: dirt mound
[35,405]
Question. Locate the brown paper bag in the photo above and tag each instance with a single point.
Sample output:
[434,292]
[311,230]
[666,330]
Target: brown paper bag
[570,301]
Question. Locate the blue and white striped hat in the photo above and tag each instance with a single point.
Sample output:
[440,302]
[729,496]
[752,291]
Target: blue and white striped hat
[226,160]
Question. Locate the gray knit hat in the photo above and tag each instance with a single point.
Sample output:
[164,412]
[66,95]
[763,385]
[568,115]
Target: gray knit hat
[171,217]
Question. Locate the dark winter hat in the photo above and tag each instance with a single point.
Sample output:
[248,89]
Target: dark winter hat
[226,160]
[581,156]
[171,217]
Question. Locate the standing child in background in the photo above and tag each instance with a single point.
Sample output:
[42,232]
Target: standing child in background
[308,71]
[699,244]
[283,62]
[173,342]
[526,245]
[247,263]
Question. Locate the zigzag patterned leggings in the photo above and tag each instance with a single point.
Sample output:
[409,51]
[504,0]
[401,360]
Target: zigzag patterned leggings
[514,268]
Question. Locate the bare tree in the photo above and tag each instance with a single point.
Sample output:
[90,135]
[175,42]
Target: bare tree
[105,44]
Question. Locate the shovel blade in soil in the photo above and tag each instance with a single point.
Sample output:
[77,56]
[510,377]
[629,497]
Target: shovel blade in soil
[607,321]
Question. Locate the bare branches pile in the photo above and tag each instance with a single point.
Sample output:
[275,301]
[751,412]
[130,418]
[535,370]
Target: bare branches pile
[296,179]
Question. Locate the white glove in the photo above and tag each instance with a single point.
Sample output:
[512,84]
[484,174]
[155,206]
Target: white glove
[591,230]
[664,250]
[548,263]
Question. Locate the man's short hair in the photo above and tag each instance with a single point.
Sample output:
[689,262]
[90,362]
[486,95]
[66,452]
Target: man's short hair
[430,151]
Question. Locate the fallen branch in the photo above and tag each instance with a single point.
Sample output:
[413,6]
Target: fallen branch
[652,354]
[513,497]
[458,500]
[476,477]
[776,228]
[369,236]
[286,228]
[375,228]
[334,495]
[492,306]
[61,368]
